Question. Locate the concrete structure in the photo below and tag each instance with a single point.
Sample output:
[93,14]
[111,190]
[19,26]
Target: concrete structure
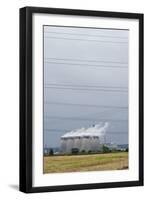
[83,139]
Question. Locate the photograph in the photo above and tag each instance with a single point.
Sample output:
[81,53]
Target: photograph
[81,99]
[85,99]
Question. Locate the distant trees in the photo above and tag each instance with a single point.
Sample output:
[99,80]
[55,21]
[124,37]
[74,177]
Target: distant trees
[74,150]
[83,151]
[51,152]
[105,149]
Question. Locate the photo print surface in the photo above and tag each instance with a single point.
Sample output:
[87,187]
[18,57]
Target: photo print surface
[85,99]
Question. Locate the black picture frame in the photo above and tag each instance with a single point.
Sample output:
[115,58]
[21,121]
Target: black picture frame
[26,97]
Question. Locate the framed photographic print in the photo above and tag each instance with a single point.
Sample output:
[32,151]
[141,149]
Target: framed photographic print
[81,99]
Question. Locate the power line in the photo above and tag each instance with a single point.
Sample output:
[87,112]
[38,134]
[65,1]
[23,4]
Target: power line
[81,65]
[89,86]
[84,119]
[84,60]
[66,130]
[85,105]
[84,89]
[86,27]
[91,35]
[81,40]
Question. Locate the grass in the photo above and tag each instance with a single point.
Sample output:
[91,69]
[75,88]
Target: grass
[79,163]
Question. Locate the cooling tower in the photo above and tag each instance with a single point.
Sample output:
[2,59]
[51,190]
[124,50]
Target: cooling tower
[83,140]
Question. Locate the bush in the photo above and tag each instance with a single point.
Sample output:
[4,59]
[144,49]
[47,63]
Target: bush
[74,150]
[127,150]
[51,152]
[83,151]
[105,149]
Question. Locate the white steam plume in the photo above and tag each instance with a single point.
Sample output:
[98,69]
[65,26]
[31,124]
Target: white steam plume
[96,130]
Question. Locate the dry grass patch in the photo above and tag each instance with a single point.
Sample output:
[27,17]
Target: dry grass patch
[94,162]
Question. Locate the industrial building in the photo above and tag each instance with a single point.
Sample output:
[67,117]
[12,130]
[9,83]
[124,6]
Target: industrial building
[84,140]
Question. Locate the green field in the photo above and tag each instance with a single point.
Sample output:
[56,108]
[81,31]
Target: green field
[79,163]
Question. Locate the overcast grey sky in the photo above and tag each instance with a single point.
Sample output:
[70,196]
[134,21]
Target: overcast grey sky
[85,81]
